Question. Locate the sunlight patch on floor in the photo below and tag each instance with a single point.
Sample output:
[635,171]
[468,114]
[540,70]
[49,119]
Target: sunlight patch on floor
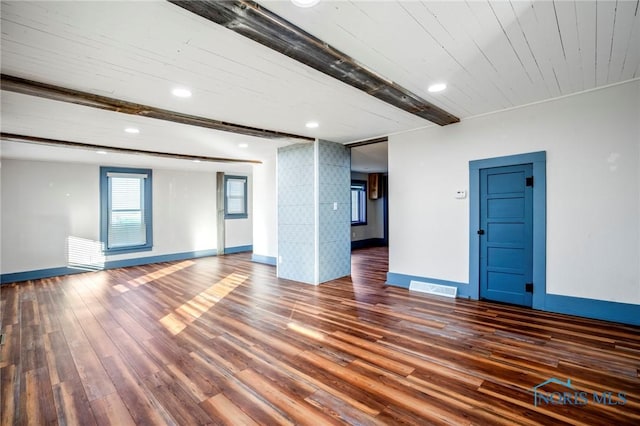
[161,273]
[193,309]
[316,335]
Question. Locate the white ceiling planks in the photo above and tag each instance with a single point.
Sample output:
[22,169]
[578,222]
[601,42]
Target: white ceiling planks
[464,35]
[568,30]
[233,78]
[624,62]
[46,118]
[492,54]
[605,20]
[550,46]
[521,44]
[505,72]
[447,64]
[586,29]
[369,33]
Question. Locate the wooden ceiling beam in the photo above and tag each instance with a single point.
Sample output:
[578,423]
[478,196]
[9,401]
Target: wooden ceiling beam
[77,97]
[12,137]
[259,24]
[367,142]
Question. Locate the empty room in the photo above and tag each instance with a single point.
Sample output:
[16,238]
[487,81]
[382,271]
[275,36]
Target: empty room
[318,212]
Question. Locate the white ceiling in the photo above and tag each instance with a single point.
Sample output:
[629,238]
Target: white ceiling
[493,55]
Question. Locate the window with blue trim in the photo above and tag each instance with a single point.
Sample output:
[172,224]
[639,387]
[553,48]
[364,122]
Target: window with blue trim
[358,202]
[125,210]
[235,197]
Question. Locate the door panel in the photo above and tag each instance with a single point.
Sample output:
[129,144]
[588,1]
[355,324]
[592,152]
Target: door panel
[511,258]
[505,207]
[506,247]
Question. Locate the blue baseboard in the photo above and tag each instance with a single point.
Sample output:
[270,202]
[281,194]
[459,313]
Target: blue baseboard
[402,280]
[112,264]
[267,260]
[625,313]
[238,249]
[40,273]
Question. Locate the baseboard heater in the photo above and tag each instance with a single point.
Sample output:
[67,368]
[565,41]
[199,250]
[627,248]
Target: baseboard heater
[435,289]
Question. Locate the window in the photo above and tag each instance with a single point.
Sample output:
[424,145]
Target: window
[235,197]
[358,202]
[125,209]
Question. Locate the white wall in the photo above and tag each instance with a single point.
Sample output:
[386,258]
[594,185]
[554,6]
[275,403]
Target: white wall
[43,203]
[592,142]
[265,208]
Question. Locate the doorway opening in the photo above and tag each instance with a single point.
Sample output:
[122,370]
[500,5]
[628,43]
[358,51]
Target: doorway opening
[369,194]
[507,229]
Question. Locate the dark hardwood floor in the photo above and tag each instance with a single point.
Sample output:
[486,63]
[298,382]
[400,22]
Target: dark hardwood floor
[221,340]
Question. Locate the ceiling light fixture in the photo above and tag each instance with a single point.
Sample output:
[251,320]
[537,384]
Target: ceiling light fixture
[132,130]
[305,3]
[196,161]
[312,125]
[439,87]
[243,145]
[101,152]
[181,92]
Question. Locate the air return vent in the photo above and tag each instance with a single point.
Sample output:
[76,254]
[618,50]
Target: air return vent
[436,289]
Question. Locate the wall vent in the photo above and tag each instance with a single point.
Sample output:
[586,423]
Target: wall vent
[436,289]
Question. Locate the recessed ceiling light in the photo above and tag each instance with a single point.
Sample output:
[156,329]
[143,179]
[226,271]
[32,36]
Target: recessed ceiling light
[181,92]
[439,87]
[132,130]
[312,124]
[305,3]
[196,161]
[101,152]
[243,145]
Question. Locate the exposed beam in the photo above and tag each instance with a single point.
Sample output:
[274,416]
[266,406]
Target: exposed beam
[259,24]
[367,142]
[68,144]
[63,94]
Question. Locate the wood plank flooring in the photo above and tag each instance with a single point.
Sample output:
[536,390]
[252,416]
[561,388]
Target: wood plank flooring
[222,341]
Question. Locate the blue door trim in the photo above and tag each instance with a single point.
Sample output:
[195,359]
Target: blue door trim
[539,162]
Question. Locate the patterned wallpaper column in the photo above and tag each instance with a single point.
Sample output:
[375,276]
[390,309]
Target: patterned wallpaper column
[334,168]
[314,243]
[296,213]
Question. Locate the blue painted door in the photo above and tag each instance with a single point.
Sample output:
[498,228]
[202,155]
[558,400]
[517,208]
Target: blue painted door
[506,234]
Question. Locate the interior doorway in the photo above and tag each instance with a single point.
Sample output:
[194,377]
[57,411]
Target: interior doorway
[369,195]
[518,180]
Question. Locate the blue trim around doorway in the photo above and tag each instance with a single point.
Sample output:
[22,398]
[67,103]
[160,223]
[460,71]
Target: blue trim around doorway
[539,162]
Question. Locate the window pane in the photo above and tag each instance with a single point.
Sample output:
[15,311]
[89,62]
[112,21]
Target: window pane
[235,205]
[125,203]
[127,228]
[358,203]
[235,188]
[354,206]
[235,197]
[126,193]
